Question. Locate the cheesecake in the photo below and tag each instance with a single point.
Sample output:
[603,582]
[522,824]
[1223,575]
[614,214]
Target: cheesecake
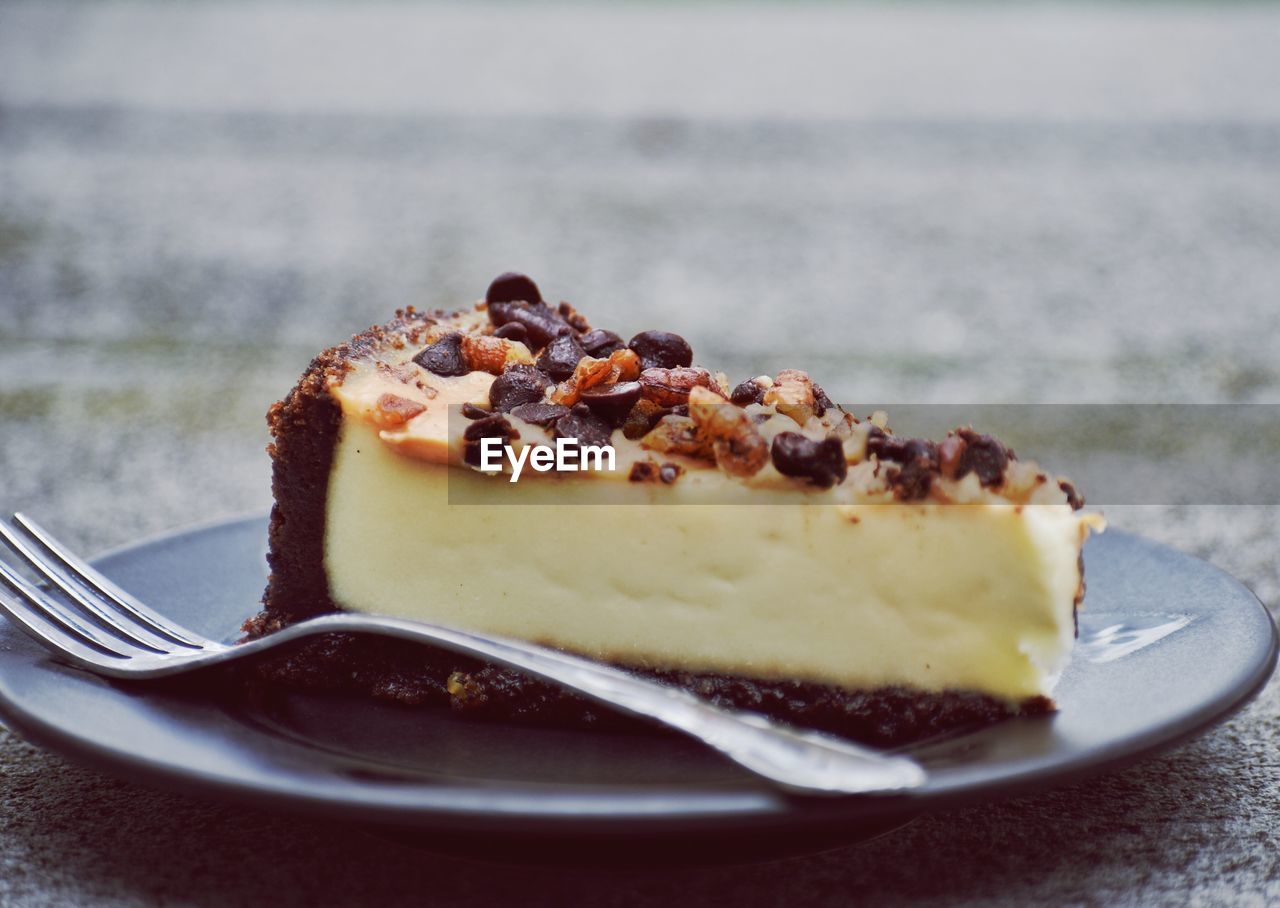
[750,541]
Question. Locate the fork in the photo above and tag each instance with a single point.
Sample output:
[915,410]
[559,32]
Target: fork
[95,625]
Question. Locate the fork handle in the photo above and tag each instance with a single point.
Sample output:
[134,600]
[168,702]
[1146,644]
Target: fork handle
[804,762]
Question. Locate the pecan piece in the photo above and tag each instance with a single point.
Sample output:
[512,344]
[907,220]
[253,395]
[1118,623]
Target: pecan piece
[393,410]
[488,353]
[792,395]
[736,442]
[671,387]
[577,321]
[678,435]
[620,366]
[642,418]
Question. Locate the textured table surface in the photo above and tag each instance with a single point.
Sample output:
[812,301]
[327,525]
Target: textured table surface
[963,203]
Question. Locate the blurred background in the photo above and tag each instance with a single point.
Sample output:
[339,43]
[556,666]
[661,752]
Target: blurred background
[921,203]
[969,203]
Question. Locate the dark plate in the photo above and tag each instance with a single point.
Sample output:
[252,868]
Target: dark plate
[1149,672]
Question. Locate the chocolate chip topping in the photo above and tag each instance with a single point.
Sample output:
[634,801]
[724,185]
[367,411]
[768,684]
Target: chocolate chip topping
[612,403]
[489,427]
[540,321]
[518,385]
[511,287]
[914,479]
[471,411]
[648,471]
[577,321]
[661,350]
[643,471]
[747,392]
[918,457]
[902,450]
[561,356]
[820,462]
[444,357]
[600,343]
[983,455]
[585,426]
[821,403]
[539,414]
[1074,498]
[875,438]
[513,331]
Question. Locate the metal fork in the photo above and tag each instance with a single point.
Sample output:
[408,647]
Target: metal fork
[98,626]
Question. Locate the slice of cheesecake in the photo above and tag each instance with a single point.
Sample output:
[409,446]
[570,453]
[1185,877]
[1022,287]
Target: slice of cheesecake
[754,543]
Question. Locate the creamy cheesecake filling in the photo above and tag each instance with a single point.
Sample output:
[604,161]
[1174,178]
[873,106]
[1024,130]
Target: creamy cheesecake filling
[927,595]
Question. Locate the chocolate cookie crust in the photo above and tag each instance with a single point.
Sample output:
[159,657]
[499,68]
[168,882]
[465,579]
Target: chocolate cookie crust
[304,428]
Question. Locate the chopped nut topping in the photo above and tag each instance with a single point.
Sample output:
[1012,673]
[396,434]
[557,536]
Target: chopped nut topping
[736,442]
[949,453]
[622,365]
[492,354]
[670,387]
[642,418]
[544,365]
[573,317]
[792,395]
[404,374]
[678,435]
[393,410]
[844,427]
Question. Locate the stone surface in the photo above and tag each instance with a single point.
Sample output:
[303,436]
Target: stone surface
[986,203]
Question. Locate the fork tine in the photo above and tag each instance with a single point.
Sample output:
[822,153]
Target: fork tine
[75,590]
[51,635]
[56,612]
[96,583]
